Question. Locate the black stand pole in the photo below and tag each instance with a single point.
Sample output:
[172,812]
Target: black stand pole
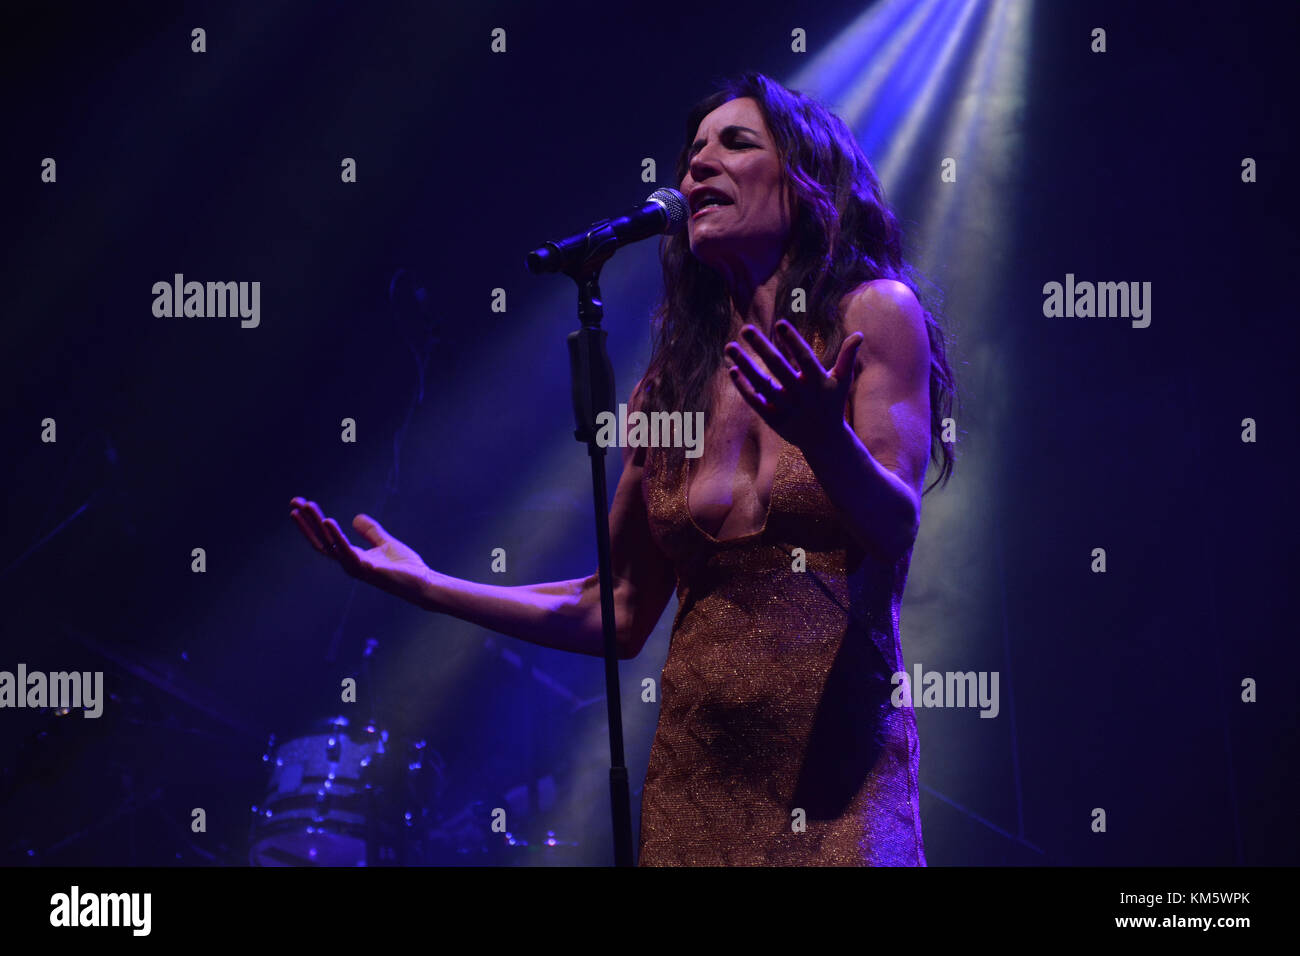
[592,379]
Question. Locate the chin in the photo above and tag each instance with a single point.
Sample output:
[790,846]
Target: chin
[702,244]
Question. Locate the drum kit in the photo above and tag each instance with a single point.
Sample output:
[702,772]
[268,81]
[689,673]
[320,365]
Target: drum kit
[323,802]
[338,791]
[348,794]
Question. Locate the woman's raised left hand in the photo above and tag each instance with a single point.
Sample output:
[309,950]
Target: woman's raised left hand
[797,397]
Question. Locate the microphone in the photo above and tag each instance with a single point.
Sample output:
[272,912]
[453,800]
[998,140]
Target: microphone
[664,211]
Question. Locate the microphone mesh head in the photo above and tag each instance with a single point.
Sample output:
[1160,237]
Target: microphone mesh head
[674,204]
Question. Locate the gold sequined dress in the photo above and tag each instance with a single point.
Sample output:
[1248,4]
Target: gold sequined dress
[775,696]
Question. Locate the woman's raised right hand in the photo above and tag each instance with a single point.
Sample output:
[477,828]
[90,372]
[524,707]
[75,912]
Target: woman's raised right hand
[390,565]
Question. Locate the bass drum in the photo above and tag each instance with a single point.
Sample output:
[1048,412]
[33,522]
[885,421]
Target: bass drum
[334,799]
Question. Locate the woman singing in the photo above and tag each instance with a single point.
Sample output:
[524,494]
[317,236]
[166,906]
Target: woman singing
[788,541]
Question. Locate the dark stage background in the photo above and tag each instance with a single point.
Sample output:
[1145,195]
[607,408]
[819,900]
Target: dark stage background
[1119,691]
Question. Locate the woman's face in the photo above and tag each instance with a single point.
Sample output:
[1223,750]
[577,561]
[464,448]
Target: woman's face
[733,154]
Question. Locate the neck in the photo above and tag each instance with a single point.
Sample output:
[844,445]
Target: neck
[752,290]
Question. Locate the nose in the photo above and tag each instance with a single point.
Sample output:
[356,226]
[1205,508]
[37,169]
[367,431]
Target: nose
[702,165]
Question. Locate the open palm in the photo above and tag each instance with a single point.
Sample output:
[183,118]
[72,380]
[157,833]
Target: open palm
[388,563]
[796,396]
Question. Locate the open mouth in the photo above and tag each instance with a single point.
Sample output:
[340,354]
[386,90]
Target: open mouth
[709,206]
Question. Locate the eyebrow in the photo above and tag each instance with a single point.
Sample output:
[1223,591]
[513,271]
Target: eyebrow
[726,131]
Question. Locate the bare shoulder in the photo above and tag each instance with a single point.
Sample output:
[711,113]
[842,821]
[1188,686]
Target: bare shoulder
[886,302]
[891,320]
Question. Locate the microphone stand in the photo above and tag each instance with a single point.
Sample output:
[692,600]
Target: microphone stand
[592,382]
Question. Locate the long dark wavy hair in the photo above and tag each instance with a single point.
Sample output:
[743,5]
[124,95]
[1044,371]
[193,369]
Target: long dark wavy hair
[843,234]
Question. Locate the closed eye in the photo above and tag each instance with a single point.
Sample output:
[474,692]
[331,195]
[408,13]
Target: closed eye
[728,135]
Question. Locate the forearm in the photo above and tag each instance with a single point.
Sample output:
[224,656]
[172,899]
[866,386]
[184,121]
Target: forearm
[880,510]
[557,614]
